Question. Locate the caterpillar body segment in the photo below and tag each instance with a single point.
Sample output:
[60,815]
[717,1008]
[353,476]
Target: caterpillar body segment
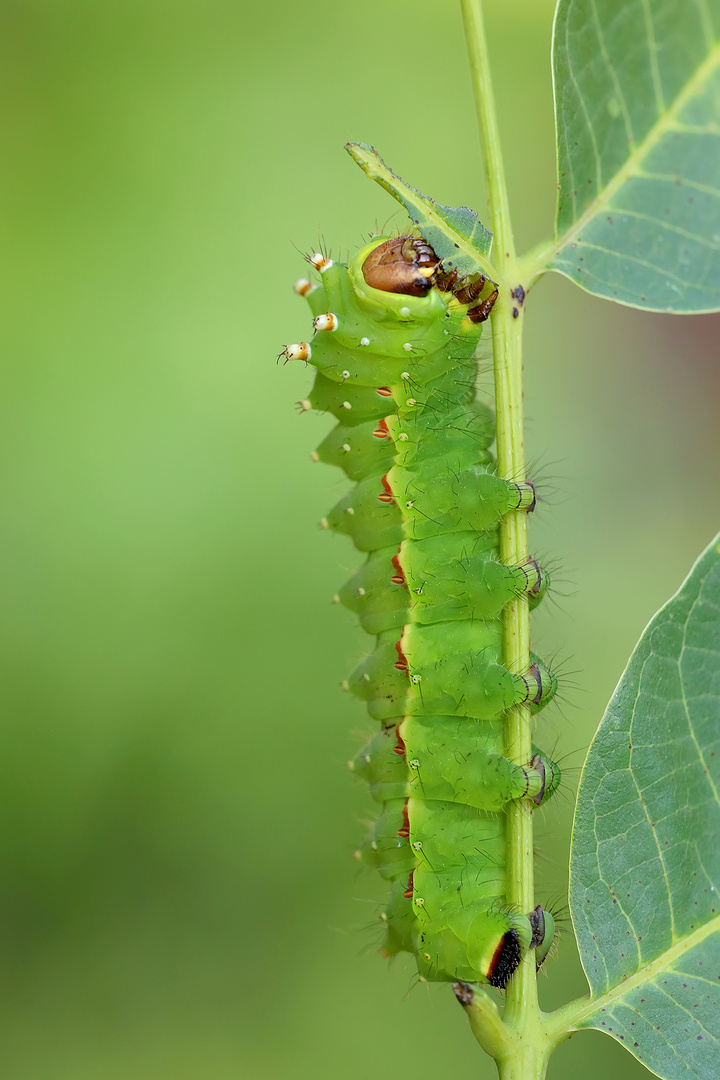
[451,764]
[358,450]
[393,344]
[352,404]
[445,669]
[444,578]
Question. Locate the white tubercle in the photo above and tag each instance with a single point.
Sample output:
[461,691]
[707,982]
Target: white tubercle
[299,351]
[364,341]
[328,321]
[320,262]
[407,346]
[405,312]
[303,287]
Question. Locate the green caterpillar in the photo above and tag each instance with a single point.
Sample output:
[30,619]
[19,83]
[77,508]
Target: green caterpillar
[394,344]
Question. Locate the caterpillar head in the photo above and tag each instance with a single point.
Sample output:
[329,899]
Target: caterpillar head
[408,265]
[393,278]
[403,264]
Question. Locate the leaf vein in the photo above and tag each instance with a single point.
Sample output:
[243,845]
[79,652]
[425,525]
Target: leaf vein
[695,978]
[643,262]
[642,802]
[707,22]
[591,131]
[682,1008]
[638,1012]
[652,54]
[686,707]
[629,134]
[668,178]
[667,226]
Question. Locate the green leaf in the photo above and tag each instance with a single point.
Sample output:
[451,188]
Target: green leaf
[454,232]
[645,872]
[637,106]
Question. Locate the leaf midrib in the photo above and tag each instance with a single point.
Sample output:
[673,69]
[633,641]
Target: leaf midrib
[573,1015]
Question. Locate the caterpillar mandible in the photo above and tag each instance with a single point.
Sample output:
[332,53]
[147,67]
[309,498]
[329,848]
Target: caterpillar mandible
[394,342]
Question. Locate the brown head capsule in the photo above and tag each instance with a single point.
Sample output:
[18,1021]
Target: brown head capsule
[405,264]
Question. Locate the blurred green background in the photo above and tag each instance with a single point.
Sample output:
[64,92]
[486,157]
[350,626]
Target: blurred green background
[178,897]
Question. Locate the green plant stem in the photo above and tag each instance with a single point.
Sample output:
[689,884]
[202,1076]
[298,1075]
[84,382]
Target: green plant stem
[521,1015]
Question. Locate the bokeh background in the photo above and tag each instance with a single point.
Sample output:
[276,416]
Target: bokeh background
[177,893]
